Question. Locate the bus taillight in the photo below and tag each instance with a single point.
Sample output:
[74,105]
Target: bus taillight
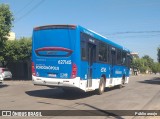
[33,69]
[74,71]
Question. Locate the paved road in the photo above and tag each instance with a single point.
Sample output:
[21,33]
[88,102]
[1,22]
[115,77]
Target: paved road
[142,93]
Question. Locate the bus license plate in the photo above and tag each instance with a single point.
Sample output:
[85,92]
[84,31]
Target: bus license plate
[52,75]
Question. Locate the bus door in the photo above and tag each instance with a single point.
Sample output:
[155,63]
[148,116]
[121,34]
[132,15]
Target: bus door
[91,59]
[113,62]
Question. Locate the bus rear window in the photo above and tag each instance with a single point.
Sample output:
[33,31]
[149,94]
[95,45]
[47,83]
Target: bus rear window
[53,52]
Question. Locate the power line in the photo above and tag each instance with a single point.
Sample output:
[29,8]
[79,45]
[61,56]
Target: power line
[133,32]
[31,10]
[134,36]
[22,9]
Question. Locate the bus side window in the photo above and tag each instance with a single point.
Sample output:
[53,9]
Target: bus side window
[83,51]
[103,52]
[113,56]
[123,58]
[119,56]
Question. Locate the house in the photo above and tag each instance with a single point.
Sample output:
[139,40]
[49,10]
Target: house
[11,36]
[134,55]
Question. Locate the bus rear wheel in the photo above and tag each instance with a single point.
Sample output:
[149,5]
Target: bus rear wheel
[101,86]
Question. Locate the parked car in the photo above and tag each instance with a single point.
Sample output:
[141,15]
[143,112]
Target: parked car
[5,73]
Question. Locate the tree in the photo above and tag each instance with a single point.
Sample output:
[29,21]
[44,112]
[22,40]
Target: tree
[158,54]
[136,63]
[17,50]
[143,64]
[156,67]
[149,61]
[6,19]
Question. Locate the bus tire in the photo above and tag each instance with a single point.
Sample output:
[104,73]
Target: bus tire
[101,86]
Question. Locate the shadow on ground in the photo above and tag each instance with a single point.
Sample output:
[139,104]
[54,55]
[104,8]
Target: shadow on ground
[155,80]
[59,94]
[99,112]
[3,85]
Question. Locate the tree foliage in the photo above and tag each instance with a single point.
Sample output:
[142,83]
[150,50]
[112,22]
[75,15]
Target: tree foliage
[140,64]
[149,61]
[6,19]
[156,67]
[145,63]
[16,50]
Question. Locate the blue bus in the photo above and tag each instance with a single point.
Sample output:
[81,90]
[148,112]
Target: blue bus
[72,57]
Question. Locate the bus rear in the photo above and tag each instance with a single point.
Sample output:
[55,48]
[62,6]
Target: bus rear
[53,63]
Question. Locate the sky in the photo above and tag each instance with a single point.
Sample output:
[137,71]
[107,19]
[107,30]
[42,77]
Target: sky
[134,24]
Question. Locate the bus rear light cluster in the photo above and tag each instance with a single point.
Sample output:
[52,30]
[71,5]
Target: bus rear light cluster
[33,69]
[74,71]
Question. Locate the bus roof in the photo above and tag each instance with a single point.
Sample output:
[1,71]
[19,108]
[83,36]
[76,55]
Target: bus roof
[54,27]
[87,31]
[102,38]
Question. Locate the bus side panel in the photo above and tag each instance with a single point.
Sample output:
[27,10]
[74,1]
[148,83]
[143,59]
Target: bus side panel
[98,69]
[84,70]
[117,74]
[101,69]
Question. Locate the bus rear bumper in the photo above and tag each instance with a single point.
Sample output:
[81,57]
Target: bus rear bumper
[54,82]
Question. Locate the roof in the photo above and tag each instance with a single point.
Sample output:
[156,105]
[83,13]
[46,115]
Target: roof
[55,26]
[87,31]
[102,38]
